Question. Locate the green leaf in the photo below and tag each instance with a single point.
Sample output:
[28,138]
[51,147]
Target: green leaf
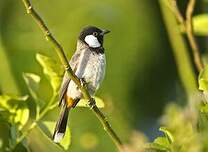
[203,84]
[32,81]
[203,79]
[182,121]
[38,141]
[48,129]
[52,70]
[84,103]
[204,109]
[167,134]
[17,109]
[160,143]
[10,102]
[200,24]
[163,142]
[22,116]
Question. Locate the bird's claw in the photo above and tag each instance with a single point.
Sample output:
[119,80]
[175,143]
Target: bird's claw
[92,103]
[83,82]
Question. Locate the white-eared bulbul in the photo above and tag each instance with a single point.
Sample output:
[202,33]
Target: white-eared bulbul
[88,63]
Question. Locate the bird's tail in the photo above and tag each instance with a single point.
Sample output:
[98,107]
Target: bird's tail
[61,124]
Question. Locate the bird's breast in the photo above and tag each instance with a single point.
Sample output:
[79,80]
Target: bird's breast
[95,70]
[91,67]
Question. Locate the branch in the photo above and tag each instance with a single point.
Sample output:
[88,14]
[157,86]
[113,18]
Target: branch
[188,28]
[189,31]
[177,12]
[60,52]
[180,50]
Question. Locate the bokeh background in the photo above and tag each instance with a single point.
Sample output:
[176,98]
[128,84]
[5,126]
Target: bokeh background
[141,76]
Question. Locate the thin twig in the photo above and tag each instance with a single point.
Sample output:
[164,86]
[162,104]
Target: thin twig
[177,12]
[64,61]
[188,28]
[189,31]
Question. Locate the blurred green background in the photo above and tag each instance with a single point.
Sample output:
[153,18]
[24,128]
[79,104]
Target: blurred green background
[141,76]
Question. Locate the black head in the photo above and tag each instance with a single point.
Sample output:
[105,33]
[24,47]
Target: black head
[93,36]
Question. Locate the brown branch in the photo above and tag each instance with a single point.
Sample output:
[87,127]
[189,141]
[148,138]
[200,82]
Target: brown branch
[176,11]
[64,61]
[192,41]
[188,28]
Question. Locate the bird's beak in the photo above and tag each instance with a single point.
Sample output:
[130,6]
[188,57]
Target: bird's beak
[104,32]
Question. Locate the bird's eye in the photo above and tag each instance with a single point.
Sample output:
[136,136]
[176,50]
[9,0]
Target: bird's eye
[95,33]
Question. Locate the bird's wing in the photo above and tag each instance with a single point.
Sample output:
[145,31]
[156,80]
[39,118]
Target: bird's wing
[73,63]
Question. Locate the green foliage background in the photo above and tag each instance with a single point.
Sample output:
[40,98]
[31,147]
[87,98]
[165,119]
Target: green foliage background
[141,76]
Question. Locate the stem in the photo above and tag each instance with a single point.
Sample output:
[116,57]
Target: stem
[177,12]
[60,52]
[179,48]
[188,28]
[192,41]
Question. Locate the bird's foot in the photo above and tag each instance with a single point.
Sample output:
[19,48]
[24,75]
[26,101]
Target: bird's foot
[83,82]
[92,103]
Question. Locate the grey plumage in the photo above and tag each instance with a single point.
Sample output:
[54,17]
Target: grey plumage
[65,82]
[88,63]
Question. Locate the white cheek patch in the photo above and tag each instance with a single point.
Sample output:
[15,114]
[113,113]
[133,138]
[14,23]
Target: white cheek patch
[92,41]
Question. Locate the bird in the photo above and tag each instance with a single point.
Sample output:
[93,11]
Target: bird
[88,63]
